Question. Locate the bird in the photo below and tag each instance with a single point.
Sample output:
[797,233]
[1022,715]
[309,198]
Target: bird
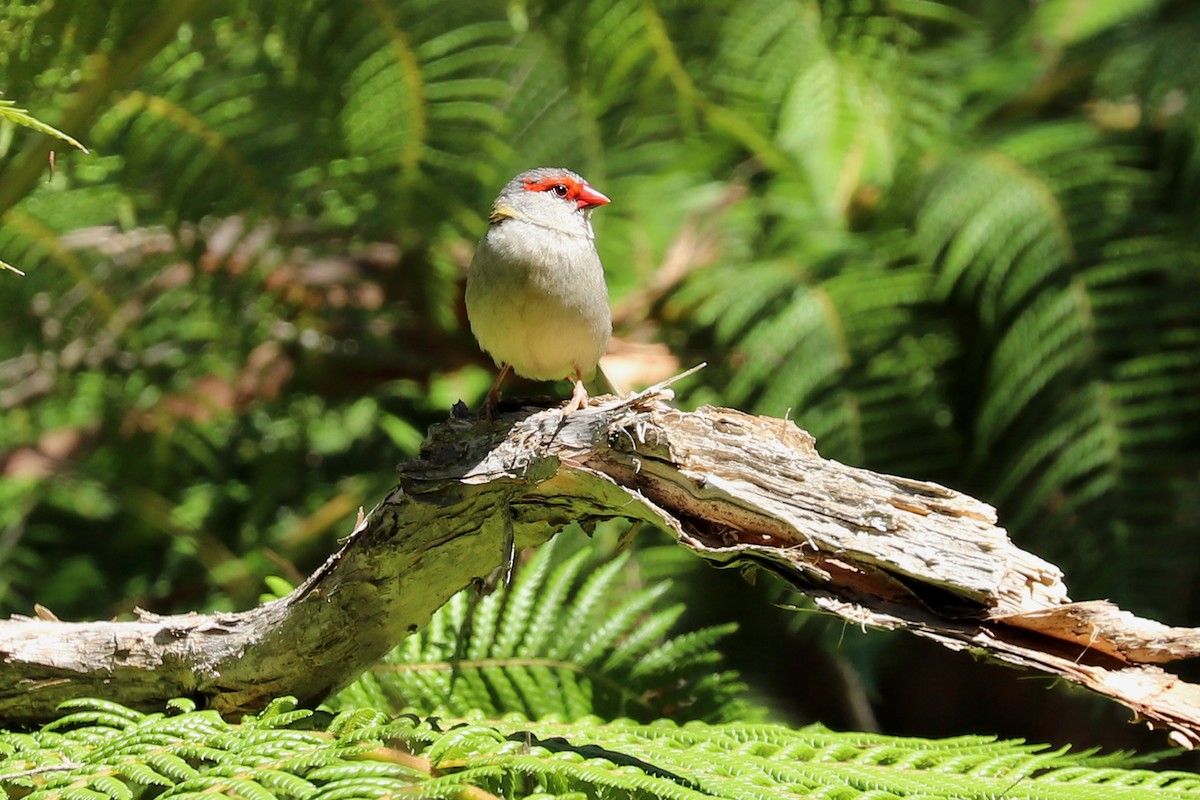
[536,297]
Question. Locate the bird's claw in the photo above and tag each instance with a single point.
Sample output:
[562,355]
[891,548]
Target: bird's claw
[579,398]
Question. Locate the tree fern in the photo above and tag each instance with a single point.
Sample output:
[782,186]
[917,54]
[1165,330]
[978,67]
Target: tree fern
[1140,86]
[102,750]
[1006,386]
[1050,425]
[557,643]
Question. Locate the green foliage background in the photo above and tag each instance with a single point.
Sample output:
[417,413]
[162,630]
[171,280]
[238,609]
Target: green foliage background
[956,241]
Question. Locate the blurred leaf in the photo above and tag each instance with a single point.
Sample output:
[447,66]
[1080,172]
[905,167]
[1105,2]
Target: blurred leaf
[12,115]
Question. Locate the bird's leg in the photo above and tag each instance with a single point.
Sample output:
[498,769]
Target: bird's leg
[579,395]
[493,396]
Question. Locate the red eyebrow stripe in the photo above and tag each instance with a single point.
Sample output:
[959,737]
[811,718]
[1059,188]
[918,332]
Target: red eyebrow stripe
[546,184]
[579,191]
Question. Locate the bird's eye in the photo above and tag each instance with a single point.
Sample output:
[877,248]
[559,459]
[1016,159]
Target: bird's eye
[560,190]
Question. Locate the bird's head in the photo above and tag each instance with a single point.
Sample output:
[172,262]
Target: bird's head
[549,196]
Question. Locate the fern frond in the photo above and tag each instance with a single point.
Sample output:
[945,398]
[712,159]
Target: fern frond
[10,113]
[360,754]
[555,645]
[1101,383]
[1065,23]
[1141,85]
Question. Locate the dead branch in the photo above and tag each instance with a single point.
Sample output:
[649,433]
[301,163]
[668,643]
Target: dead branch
[736,489]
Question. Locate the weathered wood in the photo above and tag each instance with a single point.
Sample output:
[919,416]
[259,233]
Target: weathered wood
[737,489]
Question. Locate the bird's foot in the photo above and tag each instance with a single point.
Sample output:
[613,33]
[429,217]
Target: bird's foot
[579,398]
[492,402]
[489,407]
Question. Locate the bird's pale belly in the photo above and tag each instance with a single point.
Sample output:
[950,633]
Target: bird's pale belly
[541,338]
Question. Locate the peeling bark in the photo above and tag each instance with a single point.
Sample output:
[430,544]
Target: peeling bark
[877,550]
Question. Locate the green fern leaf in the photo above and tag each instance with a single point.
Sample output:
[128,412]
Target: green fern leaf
[518,757]
[11,114]
[556,644]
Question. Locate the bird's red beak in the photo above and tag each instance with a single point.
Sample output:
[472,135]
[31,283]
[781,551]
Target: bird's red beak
[589,197]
